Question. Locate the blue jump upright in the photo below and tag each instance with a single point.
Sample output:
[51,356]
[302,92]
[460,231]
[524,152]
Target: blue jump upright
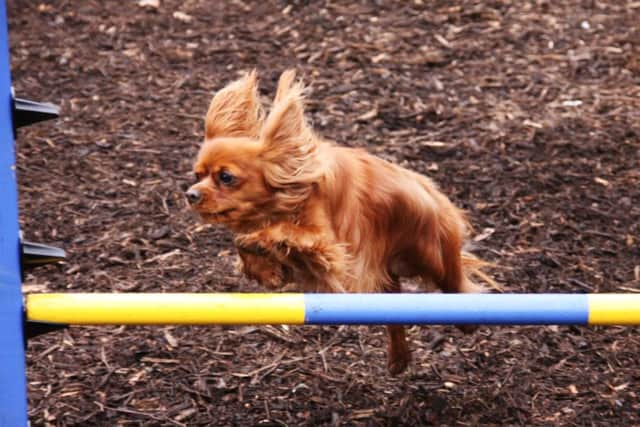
[13,392]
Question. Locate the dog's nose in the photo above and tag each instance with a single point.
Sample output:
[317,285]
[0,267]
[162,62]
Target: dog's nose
[194,196]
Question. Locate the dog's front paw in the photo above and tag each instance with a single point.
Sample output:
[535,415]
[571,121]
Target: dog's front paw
[251,244]
[264,270]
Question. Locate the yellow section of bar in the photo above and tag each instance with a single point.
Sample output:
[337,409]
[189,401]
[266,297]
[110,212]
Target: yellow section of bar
[165,309]
[614,309]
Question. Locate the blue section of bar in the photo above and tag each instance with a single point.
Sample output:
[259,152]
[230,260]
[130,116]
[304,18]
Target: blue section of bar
[452,309]
[13,389]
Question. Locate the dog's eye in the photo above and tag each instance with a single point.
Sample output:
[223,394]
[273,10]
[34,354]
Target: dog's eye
[226,177]
[198,176]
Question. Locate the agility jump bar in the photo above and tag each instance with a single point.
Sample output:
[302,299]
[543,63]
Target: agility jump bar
[332,309]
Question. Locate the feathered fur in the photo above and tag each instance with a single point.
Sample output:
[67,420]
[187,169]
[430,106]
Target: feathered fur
[331,218]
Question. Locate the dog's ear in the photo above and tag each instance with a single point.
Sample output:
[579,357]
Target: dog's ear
[285,128]
[285,84]
[289,145]
[236,110]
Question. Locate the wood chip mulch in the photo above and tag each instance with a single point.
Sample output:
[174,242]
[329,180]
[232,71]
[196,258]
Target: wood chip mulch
[527,113]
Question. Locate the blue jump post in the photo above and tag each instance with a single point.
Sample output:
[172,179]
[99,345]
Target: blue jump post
[13,387]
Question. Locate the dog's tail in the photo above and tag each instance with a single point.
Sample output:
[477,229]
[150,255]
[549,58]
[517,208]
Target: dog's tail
[473,268]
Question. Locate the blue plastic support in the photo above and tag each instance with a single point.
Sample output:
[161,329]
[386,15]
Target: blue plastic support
[13,387]
[434,309]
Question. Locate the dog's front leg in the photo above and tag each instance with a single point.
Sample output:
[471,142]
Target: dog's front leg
[258,265]
[305,249]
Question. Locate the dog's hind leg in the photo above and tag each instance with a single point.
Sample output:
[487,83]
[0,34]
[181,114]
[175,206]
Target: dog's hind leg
[398,352]
[446,270]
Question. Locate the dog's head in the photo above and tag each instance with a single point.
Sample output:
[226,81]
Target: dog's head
[252,169]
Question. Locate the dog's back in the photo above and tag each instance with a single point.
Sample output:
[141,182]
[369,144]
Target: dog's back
[394,222]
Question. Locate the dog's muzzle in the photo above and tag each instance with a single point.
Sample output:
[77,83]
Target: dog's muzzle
[194,196]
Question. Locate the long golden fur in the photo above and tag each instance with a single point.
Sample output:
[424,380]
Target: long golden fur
[330,218]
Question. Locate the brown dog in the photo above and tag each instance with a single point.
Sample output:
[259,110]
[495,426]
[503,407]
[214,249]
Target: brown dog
[332,218]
